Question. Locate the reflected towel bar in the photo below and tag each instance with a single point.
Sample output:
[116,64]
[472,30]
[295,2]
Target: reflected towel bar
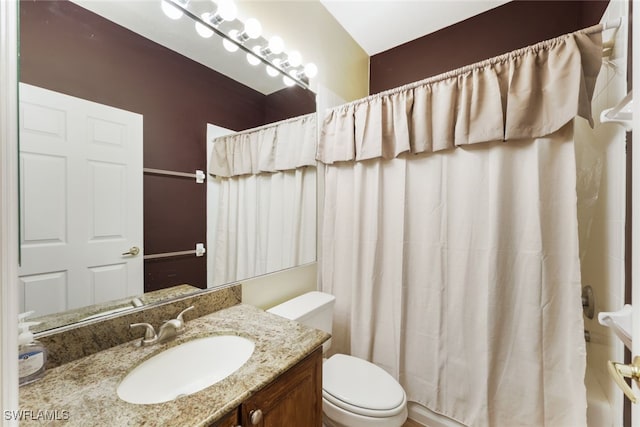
[198,251]
[198,175]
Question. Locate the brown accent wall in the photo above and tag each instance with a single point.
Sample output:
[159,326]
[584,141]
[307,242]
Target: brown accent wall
[66,48]
[508,27]
[285,103]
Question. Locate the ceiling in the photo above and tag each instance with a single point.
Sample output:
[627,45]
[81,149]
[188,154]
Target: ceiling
[379,25]
[376,25]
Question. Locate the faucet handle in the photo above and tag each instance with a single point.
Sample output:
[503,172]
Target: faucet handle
[149,334]
[179,317]
[177,323]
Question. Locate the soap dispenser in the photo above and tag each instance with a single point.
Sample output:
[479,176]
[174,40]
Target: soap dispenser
[32,356]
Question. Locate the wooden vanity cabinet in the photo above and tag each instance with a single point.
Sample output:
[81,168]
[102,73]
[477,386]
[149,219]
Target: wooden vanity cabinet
[294,399]
[232,419]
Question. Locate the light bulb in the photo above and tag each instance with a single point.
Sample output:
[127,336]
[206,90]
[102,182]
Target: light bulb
[272,71]
[311,70]
[253,59]
[202,29]
[288,81]
[227,10]
[276,45]
[253,28]
[171,10]
[229,45]
[295,59]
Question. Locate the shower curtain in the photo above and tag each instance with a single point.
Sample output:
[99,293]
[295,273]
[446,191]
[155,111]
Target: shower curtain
[450,236]
[267,199]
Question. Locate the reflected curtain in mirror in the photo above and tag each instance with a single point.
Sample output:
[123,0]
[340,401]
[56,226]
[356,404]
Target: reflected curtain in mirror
[267,199]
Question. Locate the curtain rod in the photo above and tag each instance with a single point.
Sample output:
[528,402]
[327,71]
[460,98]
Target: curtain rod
[490,61]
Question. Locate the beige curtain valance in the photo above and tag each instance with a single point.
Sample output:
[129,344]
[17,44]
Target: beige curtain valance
[527,93]
[285,145]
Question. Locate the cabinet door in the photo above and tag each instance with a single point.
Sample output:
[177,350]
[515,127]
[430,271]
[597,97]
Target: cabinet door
[292,400]
[229,420]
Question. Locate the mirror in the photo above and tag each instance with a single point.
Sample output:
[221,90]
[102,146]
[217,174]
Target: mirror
[165,97]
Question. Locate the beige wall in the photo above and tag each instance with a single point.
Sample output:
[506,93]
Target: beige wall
[272,289]
[343,76]
[306,26]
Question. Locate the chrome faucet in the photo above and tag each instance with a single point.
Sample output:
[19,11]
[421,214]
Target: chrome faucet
[168,331]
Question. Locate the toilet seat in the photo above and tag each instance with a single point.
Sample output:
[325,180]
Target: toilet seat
[362,388]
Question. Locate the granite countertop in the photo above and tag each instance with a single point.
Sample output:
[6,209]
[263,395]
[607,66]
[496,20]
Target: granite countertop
[83,392]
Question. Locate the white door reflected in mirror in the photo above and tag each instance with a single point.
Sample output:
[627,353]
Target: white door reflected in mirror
[81,202]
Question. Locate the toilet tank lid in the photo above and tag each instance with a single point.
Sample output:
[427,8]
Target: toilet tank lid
[303,305]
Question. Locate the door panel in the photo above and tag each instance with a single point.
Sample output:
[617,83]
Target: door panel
[81,201]
[45,292]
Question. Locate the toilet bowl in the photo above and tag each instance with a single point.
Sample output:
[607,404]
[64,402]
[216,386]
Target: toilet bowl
[355,392]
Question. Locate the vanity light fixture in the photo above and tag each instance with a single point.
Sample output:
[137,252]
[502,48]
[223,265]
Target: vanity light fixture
[255,58]
[311,70]
[272,72]
[171,9]
[201,29]
[226,11]
[228,44]
[295,59]
[246,36]
[275,47]
[252,30]
[288,81]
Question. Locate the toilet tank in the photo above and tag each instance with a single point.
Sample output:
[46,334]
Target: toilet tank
[314,309]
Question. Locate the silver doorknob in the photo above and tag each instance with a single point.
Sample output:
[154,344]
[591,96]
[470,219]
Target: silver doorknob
[133,251]
[255,416]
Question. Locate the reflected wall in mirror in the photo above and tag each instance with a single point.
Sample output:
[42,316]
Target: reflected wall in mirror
[67,49]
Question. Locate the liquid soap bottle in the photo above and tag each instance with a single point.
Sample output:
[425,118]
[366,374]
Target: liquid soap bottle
[32,356]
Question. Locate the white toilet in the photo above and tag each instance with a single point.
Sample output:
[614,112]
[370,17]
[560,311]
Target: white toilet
[355,393]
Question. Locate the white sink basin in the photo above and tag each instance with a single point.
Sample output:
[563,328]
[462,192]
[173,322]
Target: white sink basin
[185,369]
